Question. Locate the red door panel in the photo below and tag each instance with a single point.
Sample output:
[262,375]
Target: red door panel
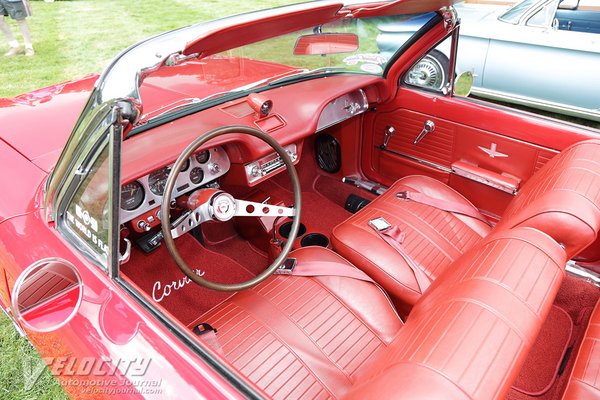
[502,145]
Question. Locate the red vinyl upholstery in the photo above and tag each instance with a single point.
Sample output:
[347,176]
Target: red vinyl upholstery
[301,337]
[561,199]
[584,382]
[434,238]
[332,337]
[469,335]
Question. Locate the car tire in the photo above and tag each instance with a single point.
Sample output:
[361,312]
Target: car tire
[430,72]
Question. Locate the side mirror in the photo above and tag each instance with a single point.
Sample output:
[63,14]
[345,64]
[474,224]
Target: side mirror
[463,84]
[47,295]
[326,43]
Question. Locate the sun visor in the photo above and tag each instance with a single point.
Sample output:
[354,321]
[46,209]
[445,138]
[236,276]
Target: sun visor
[264,25]
[400,7]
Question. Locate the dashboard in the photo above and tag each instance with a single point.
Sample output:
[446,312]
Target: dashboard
[301,110]
[145,194]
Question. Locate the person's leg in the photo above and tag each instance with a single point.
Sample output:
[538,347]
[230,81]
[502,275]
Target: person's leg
[26,36]
[12,42]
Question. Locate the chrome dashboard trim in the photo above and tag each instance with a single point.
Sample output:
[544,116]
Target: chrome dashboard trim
[183,184]
[343,108]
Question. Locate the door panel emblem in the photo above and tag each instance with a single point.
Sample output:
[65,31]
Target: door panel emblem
[492,151]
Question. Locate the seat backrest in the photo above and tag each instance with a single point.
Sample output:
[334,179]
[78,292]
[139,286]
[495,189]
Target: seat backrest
[563,199]
[469,335]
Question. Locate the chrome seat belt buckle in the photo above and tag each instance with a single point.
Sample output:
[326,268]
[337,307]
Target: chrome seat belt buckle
[379,224]
[402,195]
[287,268]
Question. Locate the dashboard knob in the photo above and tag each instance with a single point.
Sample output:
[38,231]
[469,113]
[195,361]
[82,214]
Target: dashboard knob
[292,155]
[214,168]
[143,225]
[255,171]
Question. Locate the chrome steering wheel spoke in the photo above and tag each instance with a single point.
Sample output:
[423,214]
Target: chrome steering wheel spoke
[253,209]
[188,221]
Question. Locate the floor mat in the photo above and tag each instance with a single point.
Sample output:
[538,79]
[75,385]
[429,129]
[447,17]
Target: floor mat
[318,213]
[158,275]
[544,359]
[577,298]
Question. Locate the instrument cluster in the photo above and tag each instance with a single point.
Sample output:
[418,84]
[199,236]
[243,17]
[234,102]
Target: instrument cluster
[145,193]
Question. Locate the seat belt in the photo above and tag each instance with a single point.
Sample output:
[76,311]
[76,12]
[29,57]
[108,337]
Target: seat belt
[322,268]
[208,335]
[393,236]
[444,205]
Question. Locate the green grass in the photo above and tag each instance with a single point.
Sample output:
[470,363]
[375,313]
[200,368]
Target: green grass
[72,39]
[13,351]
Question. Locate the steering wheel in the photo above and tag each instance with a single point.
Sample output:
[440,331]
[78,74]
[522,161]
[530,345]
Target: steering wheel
[217,205]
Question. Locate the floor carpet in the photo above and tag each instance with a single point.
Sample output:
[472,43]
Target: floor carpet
[542,364]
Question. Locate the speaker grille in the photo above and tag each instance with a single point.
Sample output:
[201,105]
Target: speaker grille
[328,153]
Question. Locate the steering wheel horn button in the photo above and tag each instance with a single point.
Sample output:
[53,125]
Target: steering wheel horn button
[223,207]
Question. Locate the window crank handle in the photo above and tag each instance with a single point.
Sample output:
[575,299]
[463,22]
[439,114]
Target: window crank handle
[428,127]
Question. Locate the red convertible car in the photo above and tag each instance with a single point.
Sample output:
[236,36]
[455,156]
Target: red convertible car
[259,207]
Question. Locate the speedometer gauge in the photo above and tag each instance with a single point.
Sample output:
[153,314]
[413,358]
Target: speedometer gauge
[132,196]
[158,180]
[203,157]
[196,175]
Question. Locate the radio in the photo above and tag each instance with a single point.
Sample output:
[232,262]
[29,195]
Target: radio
[268,164]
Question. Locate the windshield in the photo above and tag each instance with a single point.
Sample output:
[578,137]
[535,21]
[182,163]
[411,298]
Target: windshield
[356,46]
[515,13]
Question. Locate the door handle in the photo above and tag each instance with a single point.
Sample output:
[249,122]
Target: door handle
[428,127]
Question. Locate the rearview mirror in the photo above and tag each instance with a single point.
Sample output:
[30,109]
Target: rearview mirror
[463,84]
[326,43]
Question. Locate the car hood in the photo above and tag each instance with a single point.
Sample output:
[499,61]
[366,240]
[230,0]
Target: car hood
[38,124]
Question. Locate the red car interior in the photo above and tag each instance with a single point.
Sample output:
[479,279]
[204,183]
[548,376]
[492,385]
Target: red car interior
[561,199]
[446,250]
[584,382]
[500,304]
[499,319]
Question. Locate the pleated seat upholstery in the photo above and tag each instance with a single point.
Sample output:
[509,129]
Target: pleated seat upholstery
[561,199]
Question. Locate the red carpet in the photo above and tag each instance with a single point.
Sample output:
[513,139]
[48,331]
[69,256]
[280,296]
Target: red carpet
[158,275]
[577,298]
[541,366]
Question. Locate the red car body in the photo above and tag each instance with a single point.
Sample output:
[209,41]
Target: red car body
[112,324]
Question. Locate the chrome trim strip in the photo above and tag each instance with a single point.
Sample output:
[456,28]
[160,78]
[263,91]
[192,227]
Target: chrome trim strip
[574,111]
[114,192]
[419,160]
[583,273]
[484,181]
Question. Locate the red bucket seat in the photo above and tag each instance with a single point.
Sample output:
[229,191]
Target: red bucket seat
[561,199]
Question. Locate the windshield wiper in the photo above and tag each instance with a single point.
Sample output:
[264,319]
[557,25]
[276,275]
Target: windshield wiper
[325,71]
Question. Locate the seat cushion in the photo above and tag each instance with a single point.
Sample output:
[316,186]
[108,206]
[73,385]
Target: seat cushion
[584,382]
[434,238]
[299,337]
[563,200]
[469,335]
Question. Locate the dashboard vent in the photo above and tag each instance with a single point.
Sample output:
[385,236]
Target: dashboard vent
[328,153]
